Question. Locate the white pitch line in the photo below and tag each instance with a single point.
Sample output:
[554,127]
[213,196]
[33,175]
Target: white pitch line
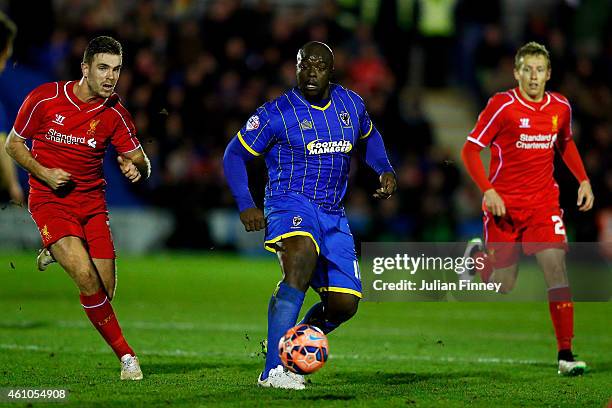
[180,326]
[382,357]
[254,329]
[445,359]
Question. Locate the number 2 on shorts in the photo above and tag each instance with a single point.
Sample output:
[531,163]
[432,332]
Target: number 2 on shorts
[559,227]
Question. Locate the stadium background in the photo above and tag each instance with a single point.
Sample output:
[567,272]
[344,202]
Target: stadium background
[195,70]
[193,73]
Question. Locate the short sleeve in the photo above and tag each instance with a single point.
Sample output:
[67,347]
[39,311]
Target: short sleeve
[257,132]
[491,120]
[32,112]
[124,137]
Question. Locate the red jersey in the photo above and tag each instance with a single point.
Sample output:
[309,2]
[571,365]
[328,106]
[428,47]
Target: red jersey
[522,136]
[73,135]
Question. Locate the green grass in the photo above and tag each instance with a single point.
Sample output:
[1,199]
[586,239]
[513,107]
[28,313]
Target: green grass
[196,322]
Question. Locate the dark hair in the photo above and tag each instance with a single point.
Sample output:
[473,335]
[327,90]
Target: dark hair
[8,30]
[101,45]
[531,48]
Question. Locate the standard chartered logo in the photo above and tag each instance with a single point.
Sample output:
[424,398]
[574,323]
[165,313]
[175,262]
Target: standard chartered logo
[318,147]
[59,137]
[536,141]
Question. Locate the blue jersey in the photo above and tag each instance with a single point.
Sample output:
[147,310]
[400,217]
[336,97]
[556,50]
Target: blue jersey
[308,148]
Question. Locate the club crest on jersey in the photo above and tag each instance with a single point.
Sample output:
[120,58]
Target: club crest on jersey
[555,123]
[524,123]
[92,127]
[345,118]
[59,119]
[297,220]
[45,233]
[306,125]
[336,146]
[252,123]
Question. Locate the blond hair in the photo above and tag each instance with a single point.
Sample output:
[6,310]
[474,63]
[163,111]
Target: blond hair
[531,48]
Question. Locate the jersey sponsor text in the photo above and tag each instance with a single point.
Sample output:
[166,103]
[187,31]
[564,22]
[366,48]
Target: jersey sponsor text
[318,147]
[58,137]
[536,141]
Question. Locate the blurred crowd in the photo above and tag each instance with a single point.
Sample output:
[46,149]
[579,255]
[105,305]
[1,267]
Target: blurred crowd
[194,71]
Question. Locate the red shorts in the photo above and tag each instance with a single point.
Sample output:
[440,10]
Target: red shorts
[535,229]
[82,215]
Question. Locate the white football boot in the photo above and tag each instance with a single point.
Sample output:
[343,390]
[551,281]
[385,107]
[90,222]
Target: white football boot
[130,368]
[571,368]
[44,259]
[297,377]
[474,245]
[280,377]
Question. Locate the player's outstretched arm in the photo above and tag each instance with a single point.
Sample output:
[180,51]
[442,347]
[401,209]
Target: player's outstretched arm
[234,166]
[17,149]
[134,165]
[473,164]
[7,171]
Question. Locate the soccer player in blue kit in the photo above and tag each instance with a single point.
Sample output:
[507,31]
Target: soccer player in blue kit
[307,137]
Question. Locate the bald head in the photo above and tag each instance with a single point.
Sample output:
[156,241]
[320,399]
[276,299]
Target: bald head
[317,50]
[315,64]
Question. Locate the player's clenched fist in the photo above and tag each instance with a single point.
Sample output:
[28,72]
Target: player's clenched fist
[388,185]
[253,219]
[129,169]
[494,203]
[56,178]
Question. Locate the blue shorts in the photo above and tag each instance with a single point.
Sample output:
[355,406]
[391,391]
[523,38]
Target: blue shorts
[292,214]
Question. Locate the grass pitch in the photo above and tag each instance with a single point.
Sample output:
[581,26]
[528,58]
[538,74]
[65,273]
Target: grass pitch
[196,321]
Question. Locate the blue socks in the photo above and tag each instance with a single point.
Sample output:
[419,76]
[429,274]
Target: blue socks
[313,315]
[283,311]
[316,317]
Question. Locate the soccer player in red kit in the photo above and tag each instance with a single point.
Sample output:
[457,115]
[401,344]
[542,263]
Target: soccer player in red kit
[71,124]
[523,127]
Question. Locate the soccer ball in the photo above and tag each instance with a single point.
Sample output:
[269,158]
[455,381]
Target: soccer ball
[303,349]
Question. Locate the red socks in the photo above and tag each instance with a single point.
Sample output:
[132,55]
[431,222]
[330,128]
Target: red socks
[101,314]
[562,315]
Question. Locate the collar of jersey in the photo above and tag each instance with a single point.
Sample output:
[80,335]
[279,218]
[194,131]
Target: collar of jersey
[323,107]
[298,93]
[530,104]
[69,87]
